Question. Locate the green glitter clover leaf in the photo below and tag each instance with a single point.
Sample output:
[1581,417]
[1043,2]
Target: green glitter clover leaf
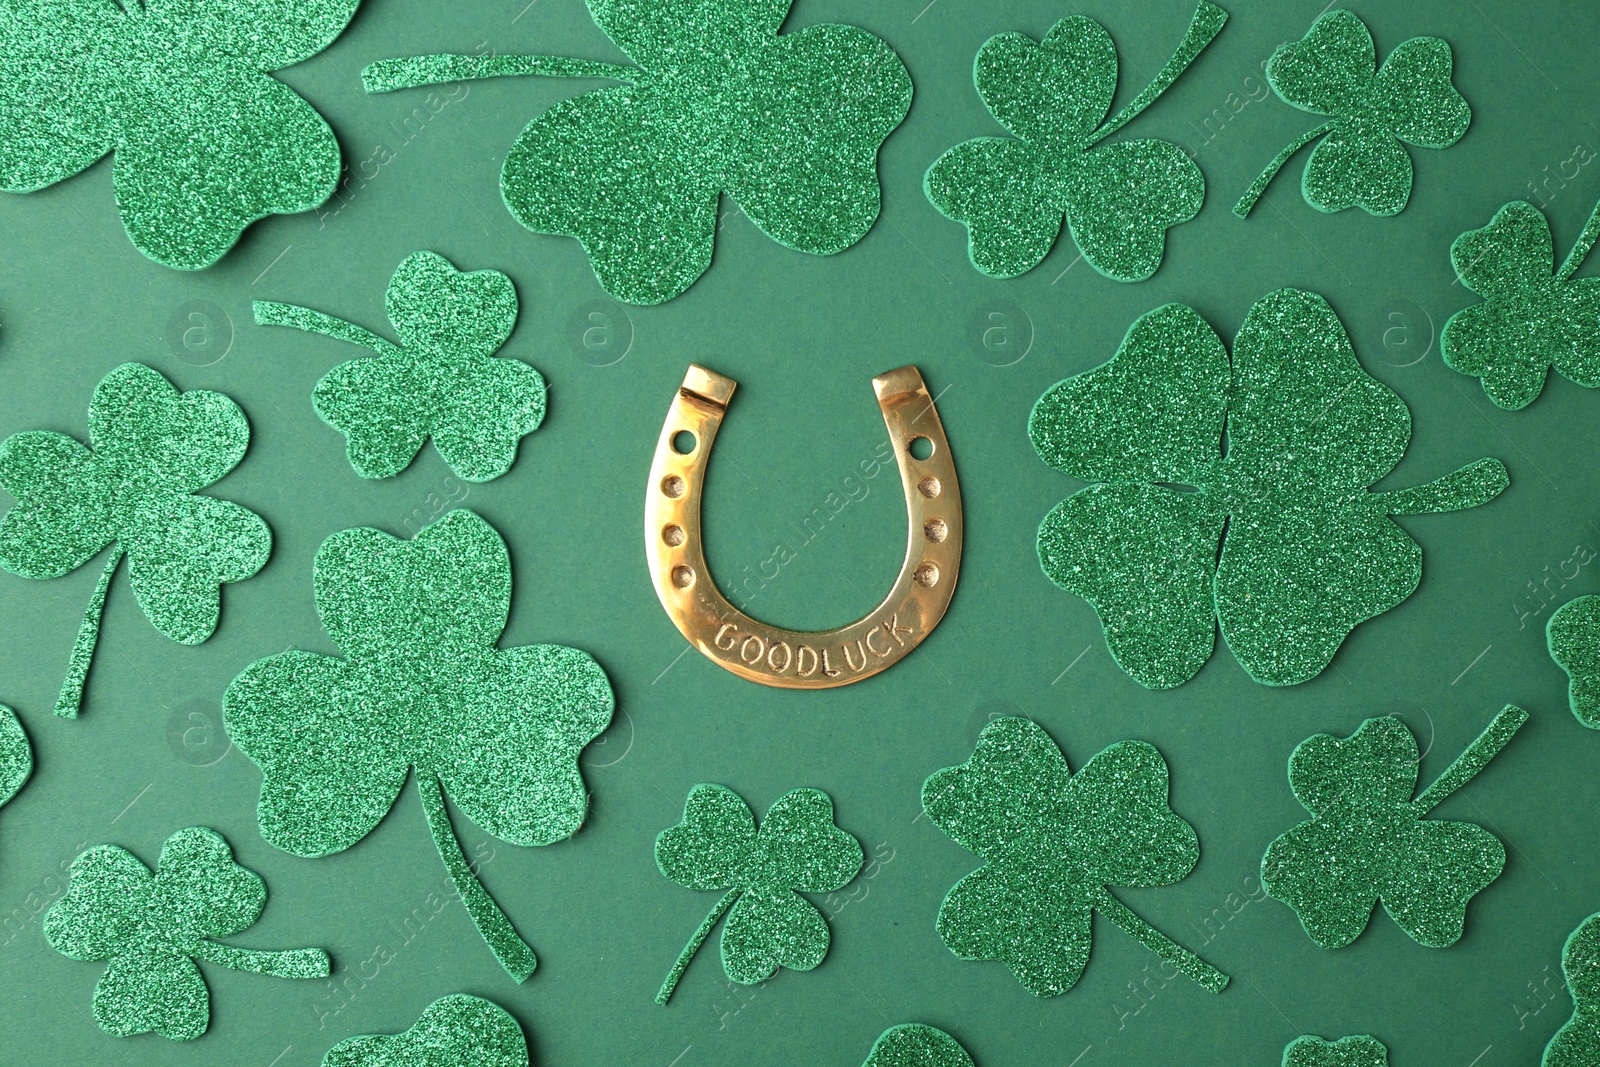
[1577,1043]
[1362,1051]
[797,849]
[422,685]
[1376,111]
[180,92]
[1367,840]
[1054,96]
[16,755]
[787,124]
[443,381]
[454,1031]
[1280,444]
[1573,635]
[154,927]
[1053,843]
[1533,317]
[136,488]
[916,1045]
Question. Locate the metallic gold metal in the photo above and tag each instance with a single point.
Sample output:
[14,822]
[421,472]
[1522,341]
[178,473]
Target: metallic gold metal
[772,655]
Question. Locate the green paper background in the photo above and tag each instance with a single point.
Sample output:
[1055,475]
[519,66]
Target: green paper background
[803,336]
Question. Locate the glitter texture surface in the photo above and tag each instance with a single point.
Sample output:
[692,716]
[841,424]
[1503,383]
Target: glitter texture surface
[1362,1051]
[205,140]
[16,755]
[762,871]
[1573,634]
[442,381]
[1308,552]
[916,1045]
[1532,317]
[422,684]
[152,929]
[1052,842]
[454,1031]
[787,124]
[1054,96]
[1577,1043]
[1368,841]
[1361,160]
[151,448]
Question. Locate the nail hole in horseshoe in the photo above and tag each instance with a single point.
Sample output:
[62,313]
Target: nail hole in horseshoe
[926,575]
[683,442]
[672,485]
[935,530]
[920,448]
[672,534]
[682,577]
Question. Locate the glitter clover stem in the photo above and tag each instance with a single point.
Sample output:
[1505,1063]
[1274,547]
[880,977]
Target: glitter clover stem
[70,700]
[1196,968]
[411,72]
[1580,248]
[513,953]
[1206,24]
[272,313]
[1247,202]
[291,963]
[694,944]
[1472,485]
[1474,759]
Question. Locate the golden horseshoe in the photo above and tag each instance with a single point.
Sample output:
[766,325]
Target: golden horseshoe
[787,658]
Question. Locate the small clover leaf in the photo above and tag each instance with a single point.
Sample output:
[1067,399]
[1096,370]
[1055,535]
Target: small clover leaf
[1362,161]
[453,1031]
[152,929]
[1573,635]
[422,685]
[442,381]
[787,124]
[1368,841]
[1307,553]
[205,140]
[796,849]
[916,1045]
[1533,317]
[151,448]
[1053,842]
[16,755]
[1362,1051]
[1054,95]
[1577,1043]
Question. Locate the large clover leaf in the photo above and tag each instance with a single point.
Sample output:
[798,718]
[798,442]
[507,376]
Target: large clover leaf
[797,849]
[1577,1043]
[151,448]
[1307,553]
[1368,841]
[787,124]
[1533,317]
[1573,636]
[1362,1051]
[154,927]
[205,140]
[422,684]
[1054,95]
[916,1045]
[1362,161]
[1053,842]
[454,1031]
[442,381]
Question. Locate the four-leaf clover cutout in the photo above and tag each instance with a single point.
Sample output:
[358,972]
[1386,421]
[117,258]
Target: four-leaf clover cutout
[16,755]
[1055,96]
[153,927]
[916,1045]
[1368,840]
[135,487]
[1269,455]
[1360,1051]
[454,1031]
[442,381]
[1573,637]
[1577,1043]
[1376,111]
[422,685]
[762,871]
[1053,842]
[205,141]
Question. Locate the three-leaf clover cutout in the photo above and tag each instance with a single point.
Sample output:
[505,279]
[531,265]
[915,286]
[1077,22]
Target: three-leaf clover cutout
[135,488]
[153,927]
[205,141]
[1369,841]
[1577,1043]
[16,755]
[1360,1051]
[1053,843]
[1375,112]
[1268,454]
[422,684]
[762,871]
[1573,637]
[916,1045]
[454,1031]
[1055,95]
[787,124]
[1533,317]
[442,381]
